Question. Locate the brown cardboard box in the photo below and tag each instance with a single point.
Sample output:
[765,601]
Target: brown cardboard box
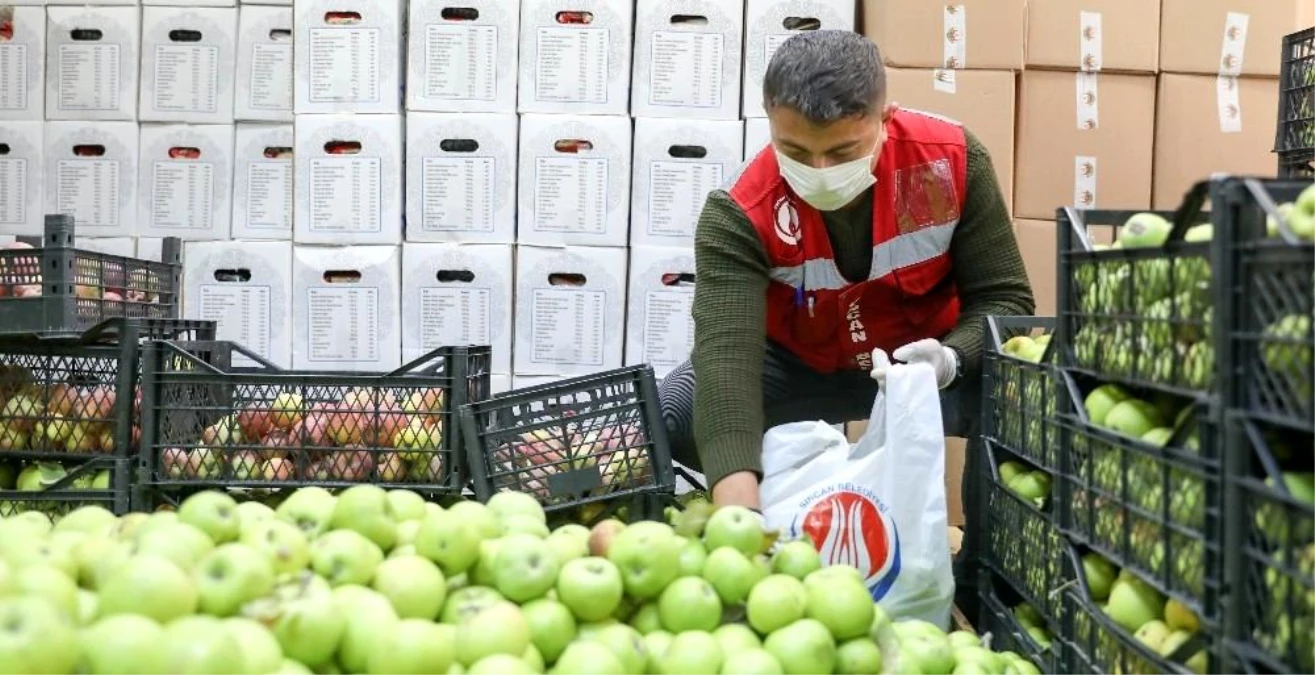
[1096,35]
[1305,15]
[1206,124]
[954,459]
[982,100]
[1194,39]
[1101,159]
[927,34]
[1038,242]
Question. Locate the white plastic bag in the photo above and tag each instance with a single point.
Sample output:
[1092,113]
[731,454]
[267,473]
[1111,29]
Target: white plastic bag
[878,505]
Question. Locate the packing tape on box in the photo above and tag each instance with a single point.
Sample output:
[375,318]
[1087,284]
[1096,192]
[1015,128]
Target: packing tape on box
[1084,182]
[956,36]
[1229,102]
[944,80]
[1234,43]
[1088,102]
[1091,56]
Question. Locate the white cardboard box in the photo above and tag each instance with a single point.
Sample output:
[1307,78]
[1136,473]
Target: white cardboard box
[91,174]
[524,381]
[23,63]
[757,135]
[768,23]
[574,185]
[499,384]
[92,62]
[677,163]
[272,3]
[124,246]
[189,3]
[456,295]
[575,56]
[348,171]
[188,56]
[461,177]
[348,56]
[570,310]
[687,59]
[186,181]
[346,308]
[263,92]
[21,181]
[262,181]
[152,248]
[659,326]
[461,57]
[246,289]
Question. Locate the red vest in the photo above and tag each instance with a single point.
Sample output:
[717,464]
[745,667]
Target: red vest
[909,294]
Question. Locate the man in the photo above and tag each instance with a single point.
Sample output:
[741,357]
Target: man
[864,233]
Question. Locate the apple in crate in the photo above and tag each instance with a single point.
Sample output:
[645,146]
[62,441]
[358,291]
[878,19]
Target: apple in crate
[286,410]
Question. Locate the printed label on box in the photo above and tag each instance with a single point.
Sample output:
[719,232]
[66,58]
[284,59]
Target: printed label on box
[457,193]
[686,69]
[182,194]
[186,78]
[13,191]
[461,62]
[570,194]
[454,316]
[243,314]
[263,188]
[345,194]
[676,192]
[568,326]
[570,304]
[88,189]
[271,76]
[22,62]
[343,324]
[89,77]
[582,52]
[92,63]
[269,195]
[344,64]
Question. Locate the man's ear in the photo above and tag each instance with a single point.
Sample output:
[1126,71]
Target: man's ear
[889,110]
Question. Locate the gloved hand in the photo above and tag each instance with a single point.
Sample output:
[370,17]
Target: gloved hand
[943,360]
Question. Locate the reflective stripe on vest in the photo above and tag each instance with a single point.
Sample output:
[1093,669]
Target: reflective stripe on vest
[902,251]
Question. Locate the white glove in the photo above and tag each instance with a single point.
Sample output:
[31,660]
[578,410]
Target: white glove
[943,360]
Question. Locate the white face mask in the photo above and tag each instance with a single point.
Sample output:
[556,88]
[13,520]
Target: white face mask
[829,188]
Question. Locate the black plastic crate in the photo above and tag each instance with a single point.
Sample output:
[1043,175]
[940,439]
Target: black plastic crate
[1153,507]
[1023,542]
[1296,103]
[1020,391]
[1273,561]
[1142,316]
[55,489]
[1271,338]
[207,422]
[58,290]
[1003,612]
[1296,164]
[572,443]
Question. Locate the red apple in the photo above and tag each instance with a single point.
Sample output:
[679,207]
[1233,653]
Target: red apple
[347,428]
[391,467]
[352,466]
[277,443]
[60,399]
[254,422]
[27,291]
[386,427]
[173,462]
[314,429]
[279,469]
[107,441]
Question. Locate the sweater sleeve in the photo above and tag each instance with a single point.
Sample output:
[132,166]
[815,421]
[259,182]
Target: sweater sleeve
[988,268]
[730,329]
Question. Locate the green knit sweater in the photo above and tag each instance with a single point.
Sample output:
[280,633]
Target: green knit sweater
[730,304]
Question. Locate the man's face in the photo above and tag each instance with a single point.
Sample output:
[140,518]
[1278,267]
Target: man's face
[841,141]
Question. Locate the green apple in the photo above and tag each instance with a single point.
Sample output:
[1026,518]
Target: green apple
[177,541]
[414,647]
[284,544]
[922,648]
[214,513]
[506,504]
[291,667]
[406,533]
[1179,617]
[796,558]
[648,556]
[200,644]
[250,513]
[1196,663]
[1101,399]
[1010,469]
[1033,486]
[589,631]
[567,543]
[834,572]
[736,637]
[151,586]
[448,540]
[483,571]
[126,643]
[309,508]
[1133,603]
[805,646]
[91,519]
[859,656]
[35,637]
[731,574]
[689,604]
[1133,418]
[501,664]
[692,557]
[842,605]
[304,617]
[345,557]
[499,629]
[588,658]
[523,524]
[414,585]
[367,510]
[231,576]
[525,567]
[646,619]
[485,523]
[1144,230]
[626,644]
[552,626]
[468,601]
[590,587]
[756,661]
[692,652]
[406,505]
[1153,633]
[533,660]
[658,642]
[261,652]
[370,617]
[1100,575]
[736,527]
[776,602]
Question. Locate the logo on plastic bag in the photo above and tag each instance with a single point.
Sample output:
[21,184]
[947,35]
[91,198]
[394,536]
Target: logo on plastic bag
[849,526]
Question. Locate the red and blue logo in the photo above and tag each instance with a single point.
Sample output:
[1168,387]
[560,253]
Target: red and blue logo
[849,526]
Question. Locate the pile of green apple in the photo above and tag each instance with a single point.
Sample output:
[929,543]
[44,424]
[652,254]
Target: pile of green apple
[1161,624]
[1023,432]
[1300,215]
[35,477]
[1168,341]
[1028,557]
[1034,624]
[1286,616]
[378,581]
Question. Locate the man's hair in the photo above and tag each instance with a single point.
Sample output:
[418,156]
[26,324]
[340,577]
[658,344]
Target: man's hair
[826,75]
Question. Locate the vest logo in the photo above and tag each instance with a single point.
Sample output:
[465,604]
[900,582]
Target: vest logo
[787,222]
[848,526]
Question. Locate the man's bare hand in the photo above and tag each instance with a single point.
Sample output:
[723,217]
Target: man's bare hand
[739,489]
